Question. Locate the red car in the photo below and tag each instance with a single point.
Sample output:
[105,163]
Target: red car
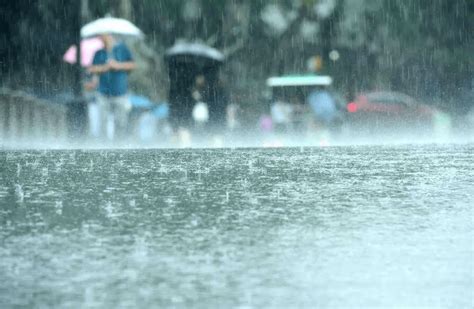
[389,114]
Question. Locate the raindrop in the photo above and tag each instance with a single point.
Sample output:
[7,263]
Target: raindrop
[59,207]
[162,170]
[19,193]
[170,201]
[89,296]
[18,169]
[140,252]
[109,209]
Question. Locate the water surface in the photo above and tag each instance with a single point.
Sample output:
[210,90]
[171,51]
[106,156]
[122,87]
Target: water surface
[386,226]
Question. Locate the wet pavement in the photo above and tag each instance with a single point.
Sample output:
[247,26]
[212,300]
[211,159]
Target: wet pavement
[383,226]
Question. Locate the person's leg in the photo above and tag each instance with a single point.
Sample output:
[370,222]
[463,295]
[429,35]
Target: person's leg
[94,121]
[104,111]
[122,108]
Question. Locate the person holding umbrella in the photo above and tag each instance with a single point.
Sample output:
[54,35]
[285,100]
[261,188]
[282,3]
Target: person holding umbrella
[112,64]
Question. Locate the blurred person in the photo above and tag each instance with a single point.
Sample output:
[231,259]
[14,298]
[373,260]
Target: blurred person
[282,114]
[90,83]
[265,124]
[200,110]
[218,101]
[442,126]
[200,113]
[198,91]
[112,64]
[324,122]
[299,116]
[323,107]
[232,117]
[90,87]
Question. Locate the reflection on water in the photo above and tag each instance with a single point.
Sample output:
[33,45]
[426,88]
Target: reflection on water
[342,226]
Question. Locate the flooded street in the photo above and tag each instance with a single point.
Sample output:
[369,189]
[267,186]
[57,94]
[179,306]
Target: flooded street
[360,226]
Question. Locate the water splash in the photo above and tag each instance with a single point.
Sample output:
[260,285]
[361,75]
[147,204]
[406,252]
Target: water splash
[19,193]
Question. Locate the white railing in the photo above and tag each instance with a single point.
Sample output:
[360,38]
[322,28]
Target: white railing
[25,119]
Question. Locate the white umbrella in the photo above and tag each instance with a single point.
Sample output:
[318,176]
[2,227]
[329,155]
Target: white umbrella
[110,25]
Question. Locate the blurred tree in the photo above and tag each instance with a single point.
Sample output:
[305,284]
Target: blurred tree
[418,47]
[421,47]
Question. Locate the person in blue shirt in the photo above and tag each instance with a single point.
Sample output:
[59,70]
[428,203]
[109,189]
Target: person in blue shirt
[323,106]
[112,64]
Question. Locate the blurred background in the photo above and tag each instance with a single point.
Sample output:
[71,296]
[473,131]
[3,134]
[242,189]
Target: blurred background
[422,49]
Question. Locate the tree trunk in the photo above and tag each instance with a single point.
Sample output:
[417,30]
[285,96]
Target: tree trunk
[77,13]
[85,11]
[121,9]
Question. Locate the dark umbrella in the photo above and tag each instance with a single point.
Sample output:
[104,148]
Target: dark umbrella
[186,60]
[189,50]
